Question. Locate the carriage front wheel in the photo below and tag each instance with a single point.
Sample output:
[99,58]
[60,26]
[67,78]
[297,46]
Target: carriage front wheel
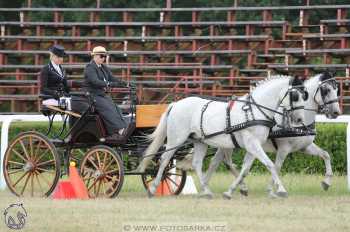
[31,165]
[102,172]
[173,179]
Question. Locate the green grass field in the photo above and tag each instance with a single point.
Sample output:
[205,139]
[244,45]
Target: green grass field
[308,208]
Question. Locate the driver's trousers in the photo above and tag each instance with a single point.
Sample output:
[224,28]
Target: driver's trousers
[110,114]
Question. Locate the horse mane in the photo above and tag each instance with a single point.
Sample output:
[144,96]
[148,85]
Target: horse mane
[271,78]
[321,77]
[316,77]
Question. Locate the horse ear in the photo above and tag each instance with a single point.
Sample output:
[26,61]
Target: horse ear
[331,73]
[296,80]
[327,74]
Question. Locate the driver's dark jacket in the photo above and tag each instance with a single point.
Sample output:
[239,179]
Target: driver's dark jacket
[94,79]
[51,82]
[97,79]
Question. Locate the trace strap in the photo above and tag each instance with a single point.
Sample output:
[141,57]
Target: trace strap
[228,123]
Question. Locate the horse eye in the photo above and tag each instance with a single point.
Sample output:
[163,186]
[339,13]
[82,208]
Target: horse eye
[305,96]
[324,90]
[295,96]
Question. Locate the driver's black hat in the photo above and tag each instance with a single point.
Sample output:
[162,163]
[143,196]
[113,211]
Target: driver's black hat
[58,50]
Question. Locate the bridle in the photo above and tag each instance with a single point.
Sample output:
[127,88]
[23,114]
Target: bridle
[324,92]
[293,94]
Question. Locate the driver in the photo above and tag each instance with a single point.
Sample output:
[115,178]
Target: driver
[98,78]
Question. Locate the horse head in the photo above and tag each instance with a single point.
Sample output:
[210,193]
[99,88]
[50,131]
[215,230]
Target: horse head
[327,95]
[293,100]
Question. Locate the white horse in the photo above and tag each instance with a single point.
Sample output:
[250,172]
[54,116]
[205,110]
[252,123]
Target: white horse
[324,89]
[193,117]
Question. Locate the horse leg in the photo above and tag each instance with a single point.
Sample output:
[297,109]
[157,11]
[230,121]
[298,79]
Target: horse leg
[233,168]
[199,152]
[165,158]
[280,157]
[224,155]
[315,150]
[247,163]
[254,147]
[214,164]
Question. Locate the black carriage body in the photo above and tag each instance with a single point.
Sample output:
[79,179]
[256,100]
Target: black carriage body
[88,130]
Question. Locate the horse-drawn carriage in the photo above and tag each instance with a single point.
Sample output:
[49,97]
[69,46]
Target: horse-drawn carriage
[32,165]
[34,162]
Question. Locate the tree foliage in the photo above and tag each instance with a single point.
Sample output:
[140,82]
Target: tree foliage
[291,16]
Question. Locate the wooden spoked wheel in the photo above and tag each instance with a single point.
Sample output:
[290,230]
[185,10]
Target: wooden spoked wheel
[173,179]
[102,172]
[31,165]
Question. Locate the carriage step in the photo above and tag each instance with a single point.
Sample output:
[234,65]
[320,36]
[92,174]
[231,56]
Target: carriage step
[57,141]
[112,142]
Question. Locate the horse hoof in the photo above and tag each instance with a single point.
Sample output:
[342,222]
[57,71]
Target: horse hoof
[150,191]
[282,194]
[272,195]
[206,196]
[227,196]
[149,194]
[325,185]
[243,192]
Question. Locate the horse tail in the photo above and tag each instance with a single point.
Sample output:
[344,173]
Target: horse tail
[157,138]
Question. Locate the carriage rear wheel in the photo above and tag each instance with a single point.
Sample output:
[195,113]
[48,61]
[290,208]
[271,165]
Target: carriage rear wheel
[173,179]
[102,172]
[31,165]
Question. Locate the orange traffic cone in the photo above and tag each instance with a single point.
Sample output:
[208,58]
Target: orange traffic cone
[73,188]
[64,190]
[163,188]
[77,183]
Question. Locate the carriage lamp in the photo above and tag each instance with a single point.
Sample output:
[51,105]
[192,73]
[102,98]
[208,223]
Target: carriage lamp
[65,103]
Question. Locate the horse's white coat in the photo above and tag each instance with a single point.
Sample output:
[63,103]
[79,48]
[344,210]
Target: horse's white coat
[182,119]
[291,144]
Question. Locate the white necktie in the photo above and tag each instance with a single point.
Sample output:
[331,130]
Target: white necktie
[103,74]
[59,70]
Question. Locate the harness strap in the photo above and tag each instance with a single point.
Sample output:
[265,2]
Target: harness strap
[231,104]
[259,108]
[231,129]
[202,115]
[228,123]
[294,132]
[311,126]
[274,143]
[242,126]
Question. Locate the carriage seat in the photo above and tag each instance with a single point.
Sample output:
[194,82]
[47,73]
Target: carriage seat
[47,100]
[49,106]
